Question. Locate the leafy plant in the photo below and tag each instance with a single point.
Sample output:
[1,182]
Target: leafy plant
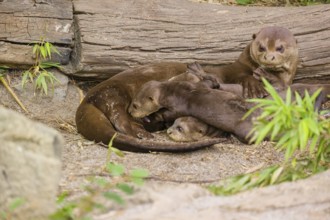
[13,206]
[121,182]
[244,2]
[38,73]
[296,127]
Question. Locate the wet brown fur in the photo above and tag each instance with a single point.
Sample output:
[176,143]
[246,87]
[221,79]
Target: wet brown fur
[103,112]
[263,52]
[220,109]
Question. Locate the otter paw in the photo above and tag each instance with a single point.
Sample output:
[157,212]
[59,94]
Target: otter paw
[252,88]
[211,81]
[144,135]
[261,73]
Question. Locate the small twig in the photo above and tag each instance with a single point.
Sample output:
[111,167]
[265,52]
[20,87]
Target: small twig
[4,82]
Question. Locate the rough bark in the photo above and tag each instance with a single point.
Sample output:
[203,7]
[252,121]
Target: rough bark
[23,23]
[111,36]
[115,35]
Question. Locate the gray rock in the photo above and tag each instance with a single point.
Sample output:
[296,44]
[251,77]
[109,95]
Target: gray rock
[30,165]
[307,199]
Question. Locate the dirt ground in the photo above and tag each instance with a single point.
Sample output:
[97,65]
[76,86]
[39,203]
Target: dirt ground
[83,158]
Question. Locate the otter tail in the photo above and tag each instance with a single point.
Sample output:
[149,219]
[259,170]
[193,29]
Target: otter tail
[129,143]
[93,125]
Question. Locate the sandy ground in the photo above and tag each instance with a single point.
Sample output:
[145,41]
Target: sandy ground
[82,158]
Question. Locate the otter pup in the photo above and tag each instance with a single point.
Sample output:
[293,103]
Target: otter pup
[217,108]
[191,129]
[274,50]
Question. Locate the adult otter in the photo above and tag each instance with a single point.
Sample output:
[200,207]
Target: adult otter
[191,129]
[273,49]
[103,112]
[221,109]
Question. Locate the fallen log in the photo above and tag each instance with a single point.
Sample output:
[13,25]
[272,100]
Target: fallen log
[112,36]
[23,23]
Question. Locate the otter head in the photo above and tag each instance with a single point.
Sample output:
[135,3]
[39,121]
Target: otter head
[273,48]
[187,129]
[146,101]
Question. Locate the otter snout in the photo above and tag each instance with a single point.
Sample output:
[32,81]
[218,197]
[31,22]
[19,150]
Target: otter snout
[269,57]
[133,107]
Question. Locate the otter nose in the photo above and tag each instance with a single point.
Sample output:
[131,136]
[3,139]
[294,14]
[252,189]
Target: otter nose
[269,57]
[169,131]
[132,107]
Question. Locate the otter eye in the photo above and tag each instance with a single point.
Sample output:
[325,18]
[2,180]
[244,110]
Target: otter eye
[280,49]
[262,48]
[150,98]
[179,128]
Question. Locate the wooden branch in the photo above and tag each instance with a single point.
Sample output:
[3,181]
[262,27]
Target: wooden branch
[115,35]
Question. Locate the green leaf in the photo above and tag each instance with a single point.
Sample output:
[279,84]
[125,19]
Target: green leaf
[288,97]
[244,2]
[41,83]
[16,203]
[276,175]
[47,48]
[3,215]
[24,78]
[61,198]
[118,152]
[43,52]
[272,92]
[64,213]
[137,176]
[313,144]
[316,94]
[125,188]
[264,132]
[276,129]
[46,65]
[303,134]
[101,181]
[114,197]
[35,49]
[249,112]
[54,50]
[141,173]
[298,99]
[115,169]
[312,125]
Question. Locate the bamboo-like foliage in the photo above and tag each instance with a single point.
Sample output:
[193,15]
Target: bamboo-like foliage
[297,128]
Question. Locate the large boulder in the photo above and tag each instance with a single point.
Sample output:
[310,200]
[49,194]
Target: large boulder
[307,199]
[30,166]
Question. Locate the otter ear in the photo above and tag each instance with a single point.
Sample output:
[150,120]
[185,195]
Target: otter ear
[254,36]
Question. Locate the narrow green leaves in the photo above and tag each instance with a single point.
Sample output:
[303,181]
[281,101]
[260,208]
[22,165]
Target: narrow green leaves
[296,126]
[38,74]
